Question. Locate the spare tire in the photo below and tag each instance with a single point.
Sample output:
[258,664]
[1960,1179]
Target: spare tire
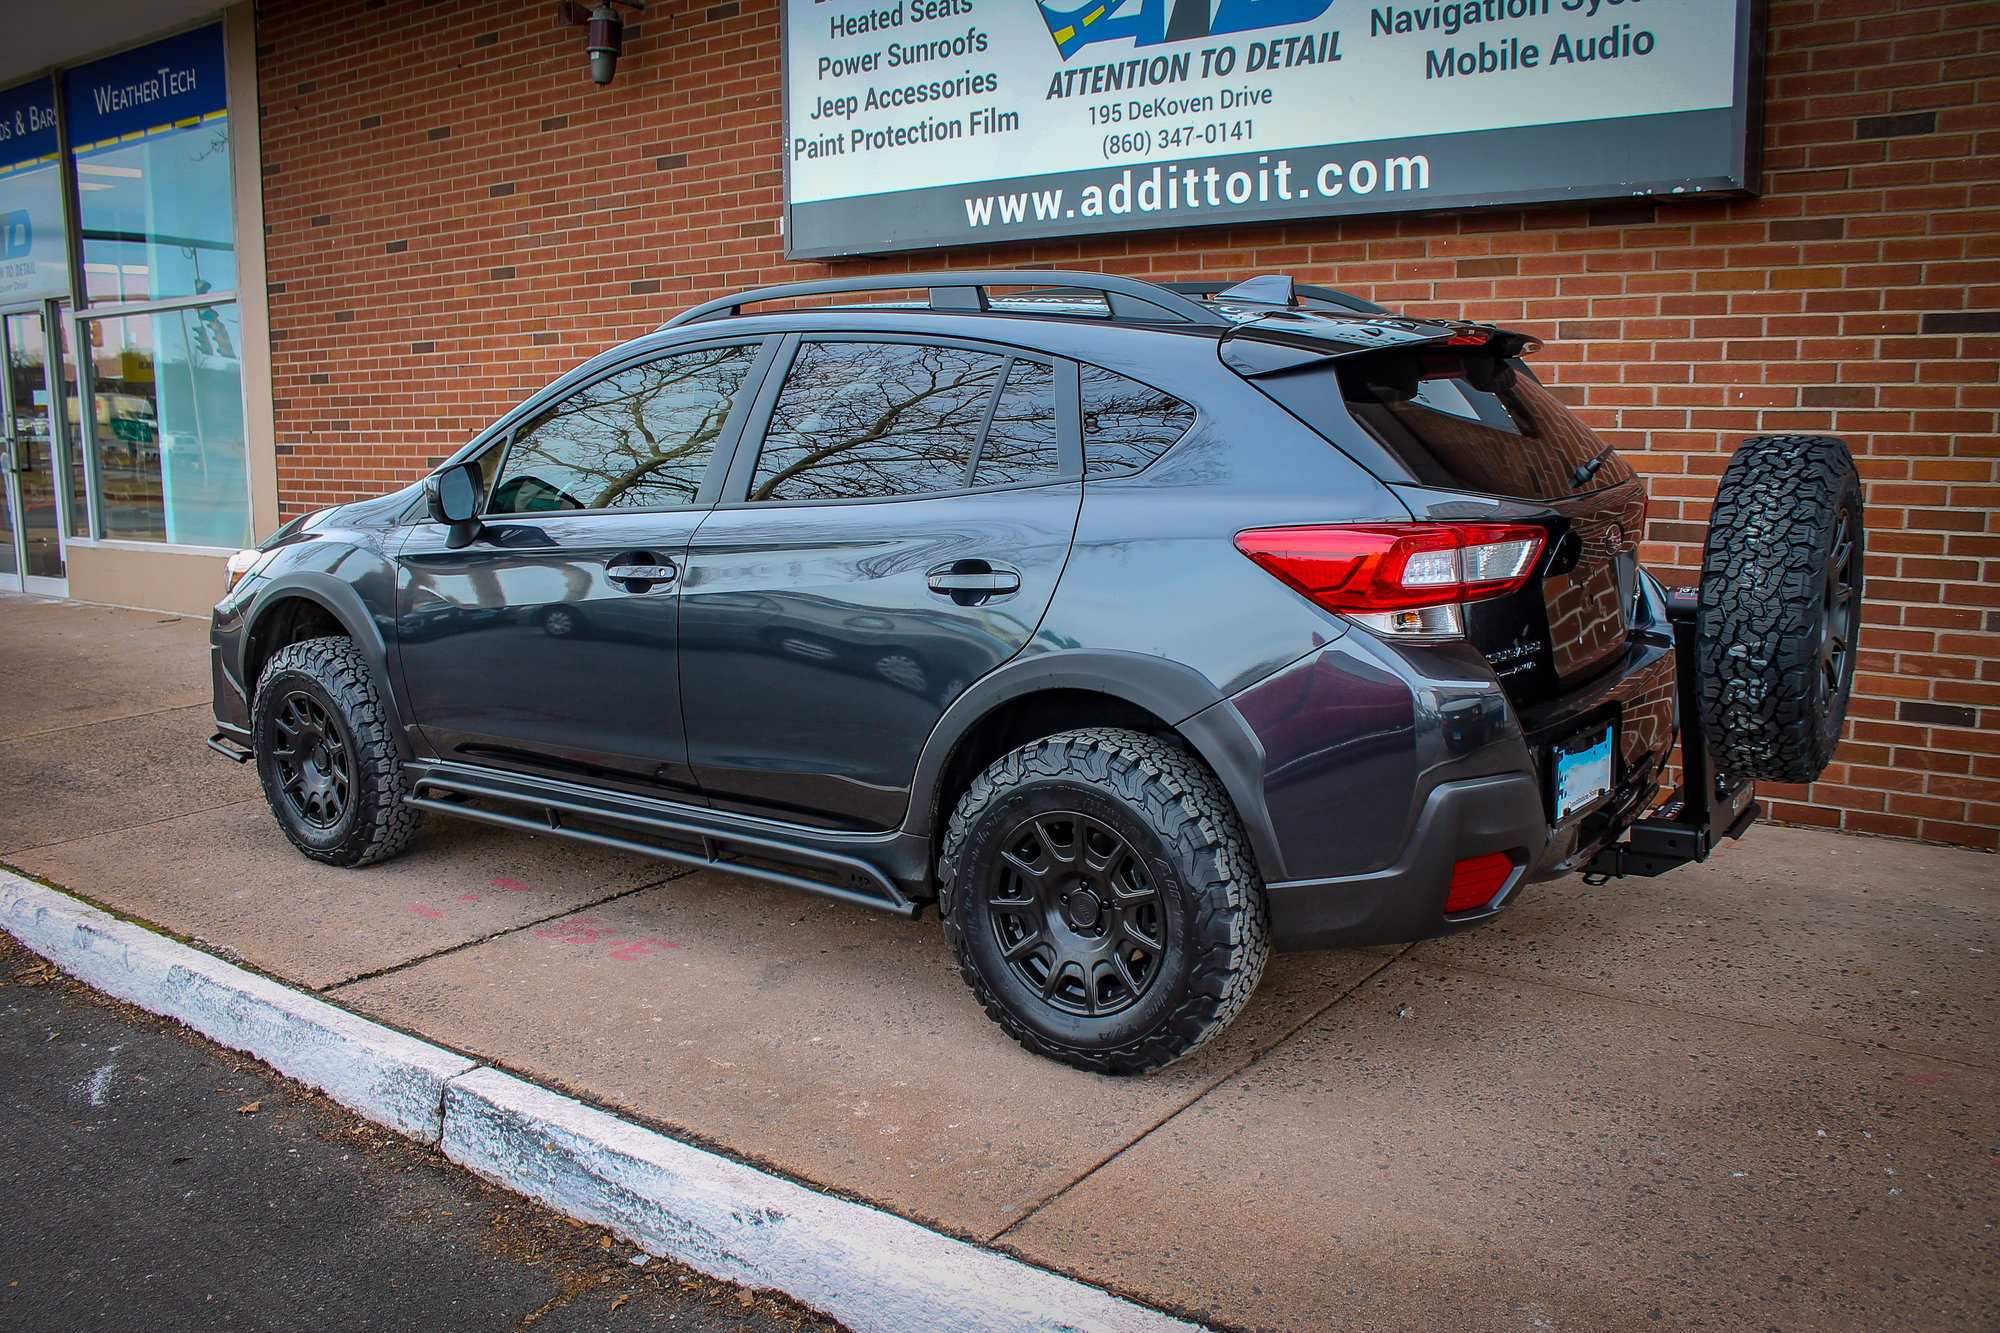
[1781,607]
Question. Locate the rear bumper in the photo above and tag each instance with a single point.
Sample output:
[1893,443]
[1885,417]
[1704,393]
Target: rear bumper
[1473,817]
[1483,791]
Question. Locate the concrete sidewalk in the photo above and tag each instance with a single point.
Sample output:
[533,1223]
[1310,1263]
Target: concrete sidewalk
[1759,1092]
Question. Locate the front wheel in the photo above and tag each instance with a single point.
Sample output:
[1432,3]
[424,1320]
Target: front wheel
[326,758]
[1102,900]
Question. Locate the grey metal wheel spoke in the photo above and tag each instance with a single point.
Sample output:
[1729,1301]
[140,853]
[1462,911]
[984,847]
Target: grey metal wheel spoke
[1024,947]
[1054,853]
[1126,899]
[1098,864]
[1123,967]
[1034,874]
[1127,930]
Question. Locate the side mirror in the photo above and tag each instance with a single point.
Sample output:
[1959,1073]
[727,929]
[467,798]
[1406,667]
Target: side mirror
[454,500]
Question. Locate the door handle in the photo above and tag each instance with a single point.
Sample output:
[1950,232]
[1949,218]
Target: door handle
[970,582]
[649,577]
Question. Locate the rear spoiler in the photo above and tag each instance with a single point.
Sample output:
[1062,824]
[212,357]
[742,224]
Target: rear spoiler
[1286,341]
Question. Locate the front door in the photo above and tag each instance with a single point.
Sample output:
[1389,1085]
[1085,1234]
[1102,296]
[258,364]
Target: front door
[548,643]
[898,536]
[34,554]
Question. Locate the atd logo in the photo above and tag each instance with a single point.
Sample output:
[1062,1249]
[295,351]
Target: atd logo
[1147,22]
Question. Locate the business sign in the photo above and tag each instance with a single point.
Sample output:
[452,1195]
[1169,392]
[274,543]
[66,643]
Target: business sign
[920,123]
[33,262]
[156,89]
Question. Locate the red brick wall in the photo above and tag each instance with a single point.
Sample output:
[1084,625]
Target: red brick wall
[455,215]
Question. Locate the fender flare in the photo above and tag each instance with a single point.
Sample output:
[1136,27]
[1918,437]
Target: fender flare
[1178,695]
[344,604]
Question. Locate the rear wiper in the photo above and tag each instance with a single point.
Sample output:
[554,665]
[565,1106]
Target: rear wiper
[1586,470]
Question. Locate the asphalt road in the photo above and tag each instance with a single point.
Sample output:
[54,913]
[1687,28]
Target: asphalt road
[155,1182]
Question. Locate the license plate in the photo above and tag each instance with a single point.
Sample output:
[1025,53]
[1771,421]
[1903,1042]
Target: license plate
[1583,772]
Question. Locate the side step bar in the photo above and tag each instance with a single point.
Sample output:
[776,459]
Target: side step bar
[553,811]
[229,749]
[1709,807]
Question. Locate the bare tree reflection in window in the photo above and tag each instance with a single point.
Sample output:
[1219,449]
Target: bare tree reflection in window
[875,419]
[1126,424]
[640,439]
[1020,440]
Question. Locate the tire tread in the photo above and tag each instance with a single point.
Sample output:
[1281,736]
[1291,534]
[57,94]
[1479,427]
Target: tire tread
[1762,702]
[1187,807]
[384,821]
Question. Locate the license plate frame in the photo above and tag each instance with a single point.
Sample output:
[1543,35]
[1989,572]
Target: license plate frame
[1583,770]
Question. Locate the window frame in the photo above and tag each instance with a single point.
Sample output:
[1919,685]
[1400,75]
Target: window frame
[749,446]
[499,439]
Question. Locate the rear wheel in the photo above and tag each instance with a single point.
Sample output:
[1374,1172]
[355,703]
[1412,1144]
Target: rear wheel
[325,756]
[1781,606]
[1102,900]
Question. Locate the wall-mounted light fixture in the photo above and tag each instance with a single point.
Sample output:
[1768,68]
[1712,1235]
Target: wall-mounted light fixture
[603,32]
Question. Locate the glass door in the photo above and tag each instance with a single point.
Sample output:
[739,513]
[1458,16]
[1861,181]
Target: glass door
[34,560]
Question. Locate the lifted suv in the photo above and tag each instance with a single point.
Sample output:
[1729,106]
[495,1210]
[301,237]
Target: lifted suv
[1141,629]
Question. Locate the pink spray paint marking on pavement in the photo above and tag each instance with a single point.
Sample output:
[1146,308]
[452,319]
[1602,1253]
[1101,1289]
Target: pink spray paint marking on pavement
[422,910]
[589,931]
[468,897]
[511,885]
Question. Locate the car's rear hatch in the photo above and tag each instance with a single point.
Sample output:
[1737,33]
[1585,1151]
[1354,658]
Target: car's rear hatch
[1450,418]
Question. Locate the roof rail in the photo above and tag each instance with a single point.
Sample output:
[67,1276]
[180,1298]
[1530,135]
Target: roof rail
[1304,292]
[1128,298]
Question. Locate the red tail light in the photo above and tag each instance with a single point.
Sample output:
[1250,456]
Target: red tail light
[1475,881]
[1369,569]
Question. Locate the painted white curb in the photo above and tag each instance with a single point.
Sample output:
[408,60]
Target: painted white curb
[391,1079]
[874,1272]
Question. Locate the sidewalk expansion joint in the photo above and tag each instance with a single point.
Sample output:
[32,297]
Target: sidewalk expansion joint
[127,828]
[450,949]
[1234,1071]
[100,722]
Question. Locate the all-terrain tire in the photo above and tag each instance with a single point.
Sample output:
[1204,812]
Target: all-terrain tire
[1781,606]
[326,757]
[1185,866]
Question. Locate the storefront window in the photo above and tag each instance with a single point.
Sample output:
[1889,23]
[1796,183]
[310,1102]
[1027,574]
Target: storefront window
[168,429]
[153,449]
[32,262]
[150,130]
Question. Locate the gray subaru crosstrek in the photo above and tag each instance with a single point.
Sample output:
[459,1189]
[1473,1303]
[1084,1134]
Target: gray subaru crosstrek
[1142,629]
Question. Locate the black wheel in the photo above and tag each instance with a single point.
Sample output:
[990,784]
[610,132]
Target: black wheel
[1102,900]
[1781,606]
[326,758]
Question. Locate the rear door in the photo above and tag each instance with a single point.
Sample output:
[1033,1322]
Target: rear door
[549,643]
[894,533]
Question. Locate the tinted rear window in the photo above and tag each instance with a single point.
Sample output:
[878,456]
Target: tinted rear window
[1463,420]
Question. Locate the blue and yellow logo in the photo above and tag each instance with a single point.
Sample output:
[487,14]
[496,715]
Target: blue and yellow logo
[1148,23]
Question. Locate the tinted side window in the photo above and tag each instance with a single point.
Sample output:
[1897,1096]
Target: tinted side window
[868,420]
[639,439]
[1126,424]
[1477,422]
[1020,442]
